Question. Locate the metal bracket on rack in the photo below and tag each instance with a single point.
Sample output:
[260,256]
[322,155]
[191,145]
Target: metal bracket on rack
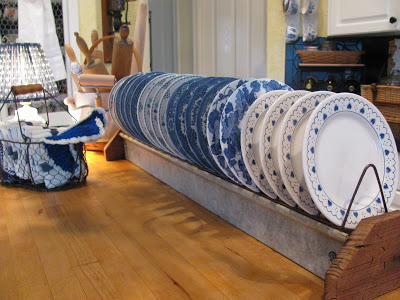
[356,190]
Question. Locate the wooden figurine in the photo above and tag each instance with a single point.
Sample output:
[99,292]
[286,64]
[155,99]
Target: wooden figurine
[122,54]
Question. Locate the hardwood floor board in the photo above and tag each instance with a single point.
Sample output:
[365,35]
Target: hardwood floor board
[30,278]
[8,286]
[95,282]
[178,269]
[122,275]
[139,258]
[76,248]
[61,277]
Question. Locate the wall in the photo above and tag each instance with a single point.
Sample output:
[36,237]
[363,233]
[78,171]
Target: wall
[276,36]
[90,18]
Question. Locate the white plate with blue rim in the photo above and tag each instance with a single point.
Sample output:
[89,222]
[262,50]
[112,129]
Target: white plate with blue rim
[250,139]
[290,146]
[231,124]
[213,126]
[146,113]
[146,96]
[344,134]
[161,116]
[270,131]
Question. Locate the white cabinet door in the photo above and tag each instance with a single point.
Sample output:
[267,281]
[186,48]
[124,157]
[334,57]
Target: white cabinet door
[363,17]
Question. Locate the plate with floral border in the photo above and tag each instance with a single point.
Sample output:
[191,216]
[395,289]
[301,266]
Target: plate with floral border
[344,134]
[170,112]
[290,147]
[270,132]
[147,95]
[198,97]
[132,101]
[112,99]
[146,113]
[201,124]
[161,121]
[250,139]
[213,126]
[180,115]
[231,124]
[123,101]
[152,124]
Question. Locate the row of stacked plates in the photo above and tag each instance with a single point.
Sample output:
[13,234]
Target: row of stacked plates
[307,149]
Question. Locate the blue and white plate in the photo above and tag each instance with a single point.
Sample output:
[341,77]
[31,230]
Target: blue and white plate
[180,116]
[132,100]
[231,124]
[160,120]
[141,104]
[270,131]
[213,126]
[112,101]
[344,134]
[170,112]
[123,102]
[201,124]
[120,102]
[156,84]
[250,139]
[290,146]
[191,114]
[152,122]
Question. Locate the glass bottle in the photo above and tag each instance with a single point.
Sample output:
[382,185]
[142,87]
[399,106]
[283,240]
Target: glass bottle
[310,84]
[351,85]
[331,83]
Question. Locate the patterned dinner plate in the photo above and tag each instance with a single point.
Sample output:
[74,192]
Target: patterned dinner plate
[198,97]
[270,132]
[344,134]
[250,139]
[160,120]
[170,113]
[231,124]
[213,126]
[290,147]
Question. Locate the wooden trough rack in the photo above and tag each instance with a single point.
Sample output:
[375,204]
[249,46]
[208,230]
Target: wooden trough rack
[362,264]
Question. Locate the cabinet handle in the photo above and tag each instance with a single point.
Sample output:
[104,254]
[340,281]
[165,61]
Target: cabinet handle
[392,20]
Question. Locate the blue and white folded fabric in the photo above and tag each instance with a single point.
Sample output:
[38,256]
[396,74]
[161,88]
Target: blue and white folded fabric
[53,155]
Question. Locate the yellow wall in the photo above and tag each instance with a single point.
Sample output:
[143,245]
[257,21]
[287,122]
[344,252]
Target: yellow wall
[276,36]
[90,18]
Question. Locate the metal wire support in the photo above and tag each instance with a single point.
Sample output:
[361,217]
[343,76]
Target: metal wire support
[358,186]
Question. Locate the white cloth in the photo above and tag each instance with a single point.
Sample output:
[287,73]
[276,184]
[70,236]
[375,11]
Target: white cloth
[36,25]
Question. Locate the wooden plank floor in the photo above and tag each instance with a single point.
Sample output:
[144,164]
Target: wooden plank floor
[126,235]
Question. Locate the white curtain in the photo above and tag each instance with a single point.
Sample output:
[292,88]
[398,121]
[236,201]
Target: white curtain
[36,25]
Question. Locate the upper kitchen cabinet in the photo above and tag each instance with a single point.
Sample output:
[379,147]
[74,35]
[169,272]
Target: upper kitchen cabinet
[363,17]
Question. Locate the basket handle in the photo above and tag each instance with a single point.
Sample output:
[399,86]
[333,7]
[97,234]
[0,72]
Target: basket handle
[26,89]
[374,92]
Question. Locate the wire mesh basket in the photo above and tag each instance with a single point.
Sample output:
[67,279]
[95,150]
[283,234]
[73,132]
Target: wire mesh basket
[28,161]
